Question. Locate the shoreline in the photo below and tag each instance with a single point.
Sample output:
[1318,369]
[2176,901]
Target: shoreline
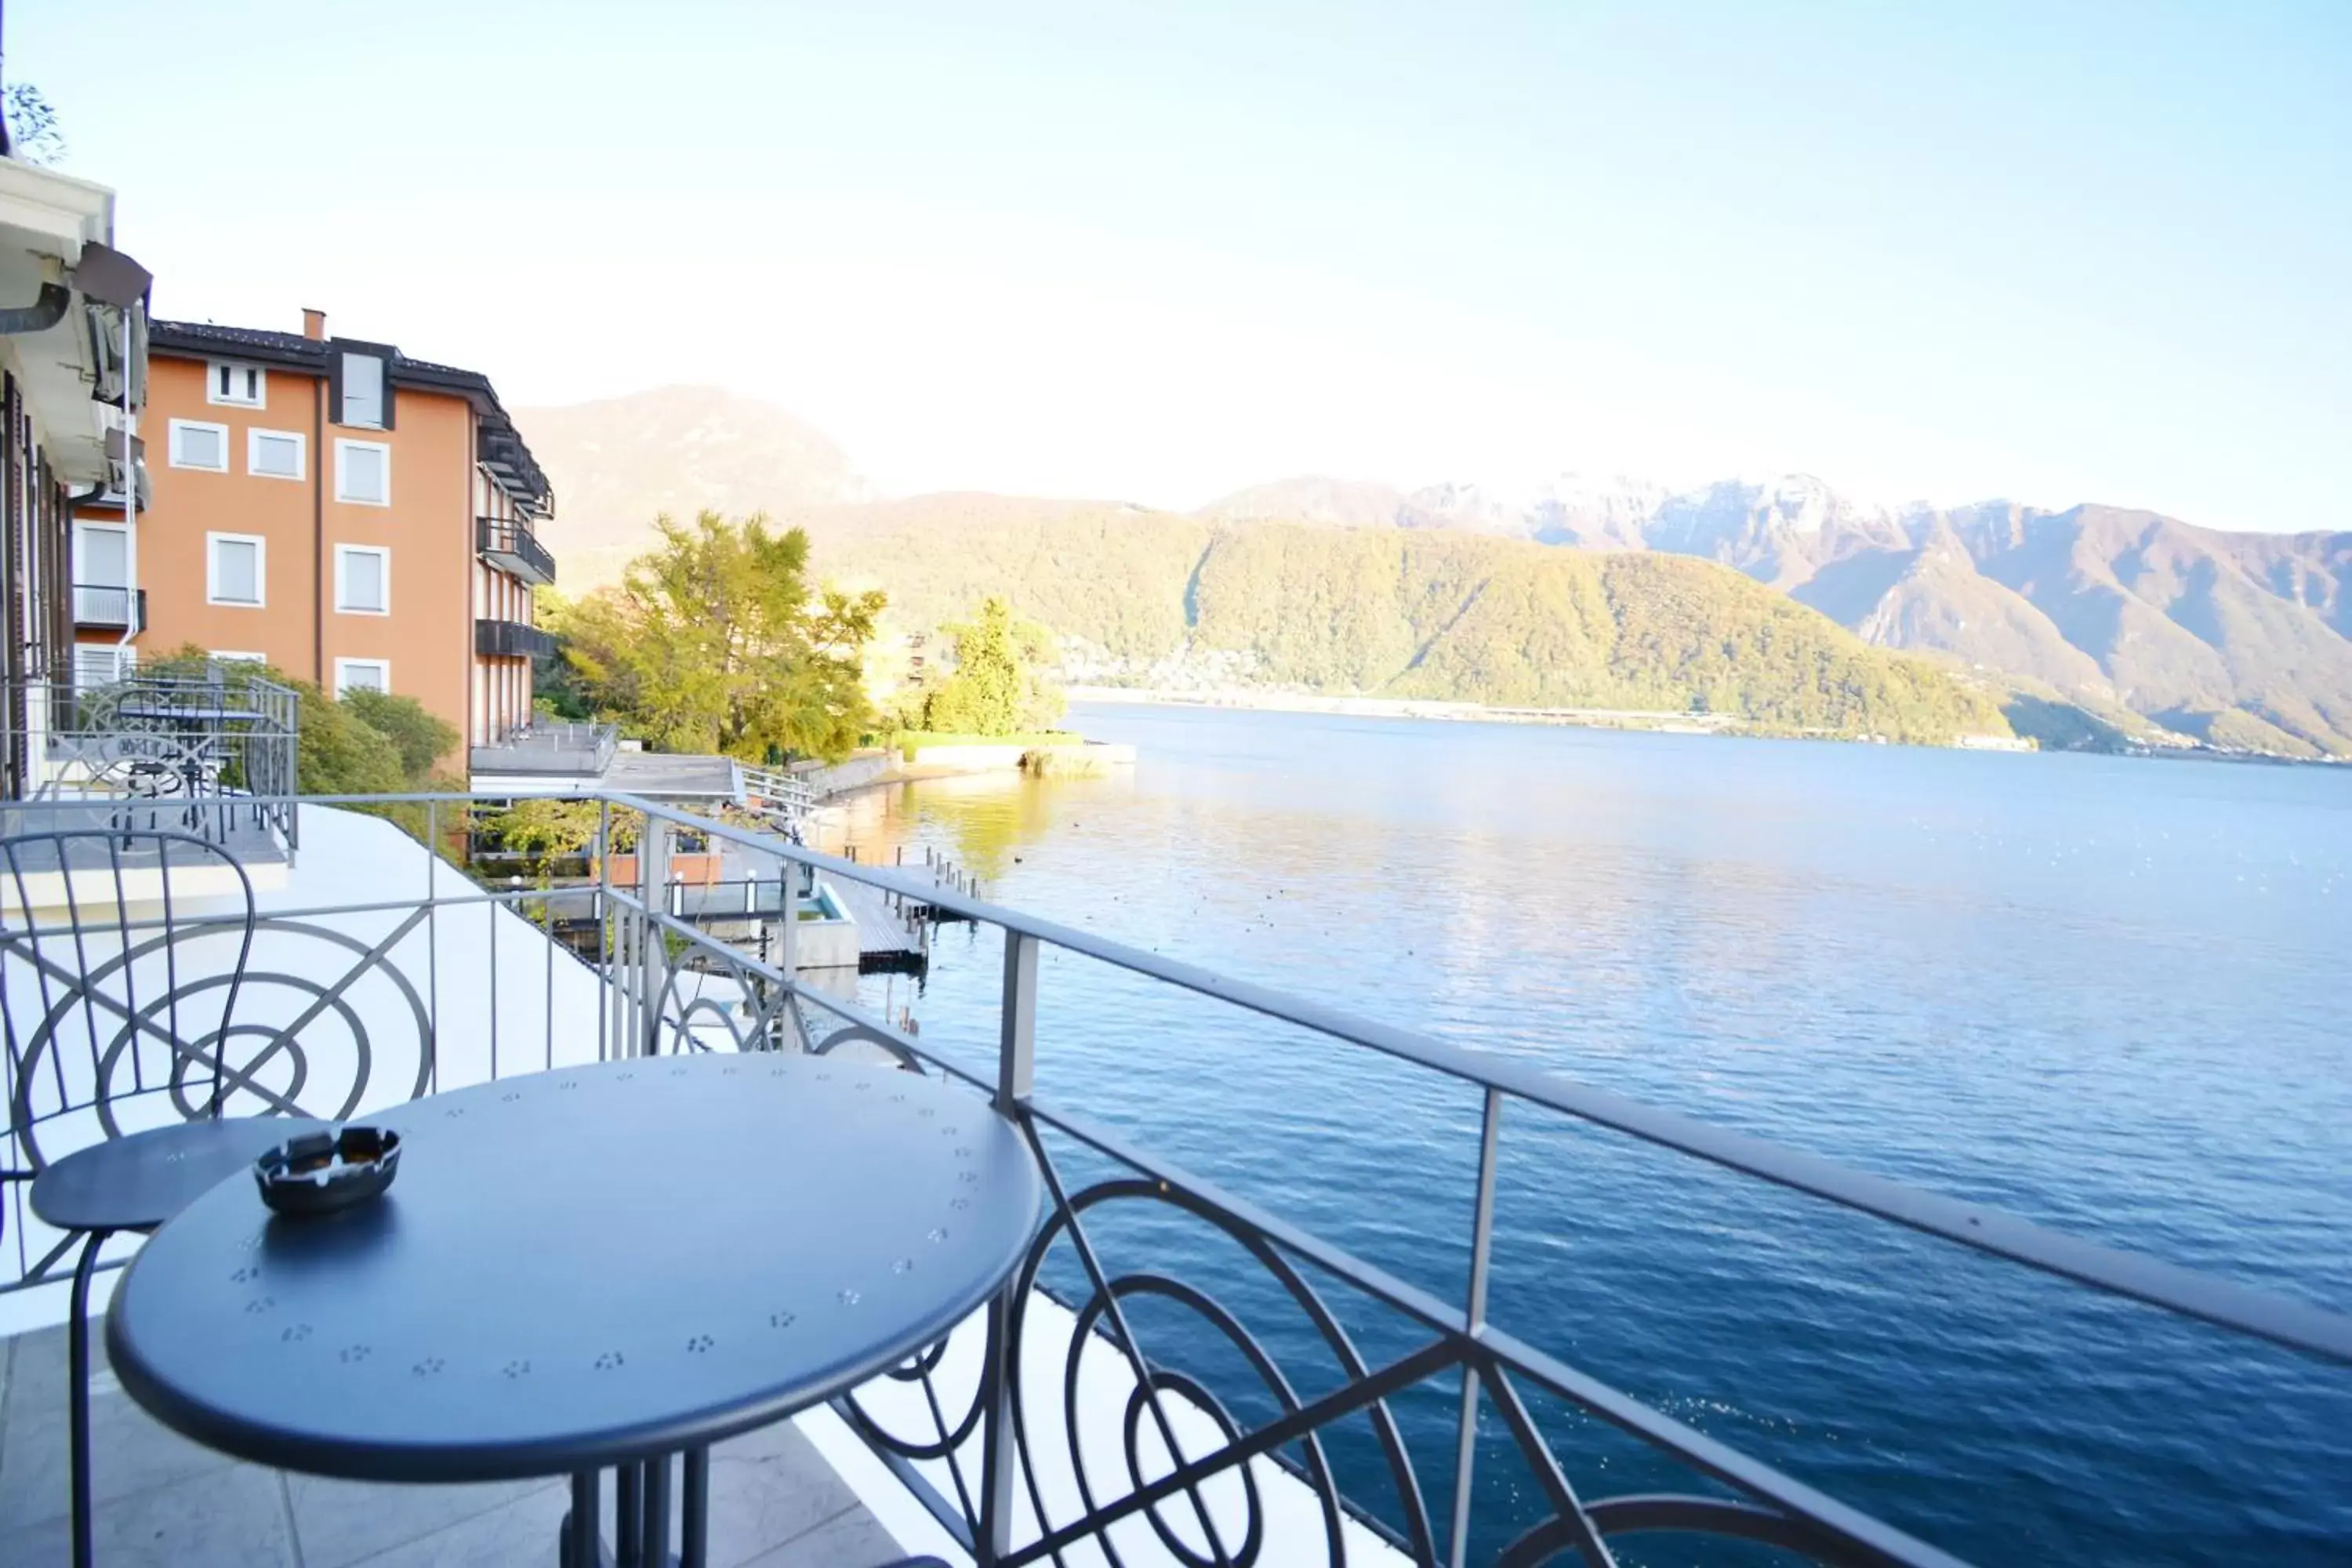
[1635,719]
[1650,721]
[1276,702]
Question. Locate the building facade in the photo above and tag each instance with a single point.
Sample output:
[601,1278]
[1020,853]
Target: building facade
[73,355]
[351,515]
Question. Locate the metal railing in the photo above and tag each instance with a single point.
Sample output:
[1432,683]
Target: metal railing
[513,547]
[109,604]
[213,752]
[662,985]
[551,746]
[511,639]
[783,792]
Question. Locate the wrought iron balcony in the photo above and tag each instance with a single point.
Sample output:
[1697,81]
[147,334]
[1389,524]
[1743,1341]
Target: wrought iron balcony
[1043,1427]
[511,547]
[111,606]
[211,752]
[511,639]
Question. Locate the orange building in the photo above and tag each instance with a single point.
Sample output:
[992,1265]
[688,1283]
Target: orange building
[355,517]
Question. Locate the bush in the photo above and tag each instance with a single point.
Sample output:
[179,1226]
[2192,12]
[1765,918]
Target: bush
[421,738]
[337,750]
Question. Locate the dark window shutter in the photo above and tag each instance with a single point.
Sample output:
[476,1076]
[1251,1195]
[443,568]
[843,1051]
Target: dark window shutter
[334,389]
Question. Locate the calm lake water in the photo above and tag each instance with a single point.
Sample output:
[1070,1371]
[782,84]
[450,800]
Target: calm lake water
[2108,994]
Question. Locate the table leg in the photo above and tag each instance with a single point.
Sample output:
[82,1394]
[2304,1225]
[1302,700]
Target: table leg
[694,1502]
[629,1514]
[583,1546]
[653,1549]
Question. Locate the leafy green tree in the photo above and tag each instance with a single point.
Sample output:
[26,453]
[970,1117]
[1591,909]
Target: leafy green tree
[999,686]
[714,642]
[336,750]
[555,681]
[421,739]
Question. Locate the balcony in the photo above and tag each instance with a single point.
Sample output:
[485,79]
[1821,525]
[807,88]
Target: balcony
[107,607]
[1163,1305]
[210,753]
[511,639]
[513,547]
[549,749]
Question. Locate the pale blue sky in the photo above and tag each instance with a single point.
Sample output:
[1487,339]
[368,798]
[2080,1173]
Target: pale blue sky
[2053,252]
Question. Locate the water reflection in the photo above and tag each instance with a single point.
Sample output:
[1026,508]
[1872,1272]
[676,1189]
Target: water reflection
[2096,991]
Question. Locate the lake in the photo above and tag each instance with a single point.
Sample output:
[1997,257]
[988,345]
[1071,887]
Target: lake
[2106,994]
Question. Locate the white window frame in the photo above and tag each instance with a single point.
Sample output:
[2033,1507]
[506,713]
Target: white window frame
[342,492]
[260,398]
[178,426]
[122,656]
[382,552]
[260,599]
[343,668]
[82,529]
[253,439]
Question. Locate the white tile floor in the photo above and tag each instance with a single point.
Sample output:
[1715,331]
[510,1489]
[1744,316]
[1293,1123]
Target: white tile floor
[162,1500]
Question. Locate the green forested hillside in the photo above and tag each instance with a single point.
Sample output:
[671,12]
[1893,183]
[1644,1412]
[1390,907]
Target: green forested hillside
[1435,615]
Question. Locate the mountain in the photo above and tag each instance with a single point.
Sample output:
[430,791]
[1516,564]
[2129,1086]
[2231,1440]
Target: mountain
[619,462]
[2101,621]
[2243,640]
[1151,597]
[1313,498]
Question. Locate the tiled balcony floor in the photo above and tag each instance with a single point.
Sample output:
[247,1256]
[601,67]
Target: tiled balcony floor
[162,1500]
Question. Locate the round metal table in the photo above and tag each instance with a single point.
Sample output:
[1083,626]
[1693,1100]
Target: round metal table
[601,1265]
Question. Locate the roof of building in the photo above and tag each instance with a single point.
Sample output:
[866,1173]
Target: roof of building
[503,450]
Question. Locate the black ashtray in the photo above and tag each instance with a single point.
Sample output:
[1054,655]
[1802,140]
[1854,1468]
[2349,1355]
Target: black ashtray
[320,1172]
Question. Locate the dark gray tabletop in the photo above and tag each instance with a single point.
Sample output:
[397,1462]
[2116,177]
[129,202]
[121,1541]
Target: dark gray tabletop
[584,1268]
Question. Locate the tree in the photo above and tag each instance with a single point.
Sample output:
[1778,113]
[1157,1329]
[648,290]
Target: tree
[32,133]
[421,738]
[999,687]
[337,749]
[714,642]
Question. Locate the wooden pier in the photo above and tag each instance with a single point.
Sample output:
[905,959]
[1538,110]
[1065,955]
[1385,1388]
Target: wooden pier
[893,931]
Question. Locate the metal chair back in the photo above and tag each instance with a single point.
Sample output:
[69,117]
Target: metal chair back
[122,955]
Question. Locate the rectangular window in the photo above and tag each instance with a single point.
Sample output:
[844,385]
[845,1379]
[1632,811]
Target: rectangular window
[243,385]
[235,568]
[363,472]
[363,579]
[362,675]
[195,445]
[274,454]
[101,555]
[362,391]
[102,664]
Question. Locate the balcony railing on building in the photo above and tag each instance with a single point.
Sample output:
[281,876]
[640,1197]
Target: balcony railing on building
[549,747]
[512,547]
[211,752]
[109,606]
[450,982]
[511,639]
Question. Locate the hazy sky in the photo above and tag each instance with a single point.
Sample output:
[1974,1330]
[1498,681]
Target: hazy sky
[2052,252]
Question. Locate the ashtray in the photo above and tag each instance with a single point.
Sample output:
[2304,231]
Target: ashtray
[320,1172]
